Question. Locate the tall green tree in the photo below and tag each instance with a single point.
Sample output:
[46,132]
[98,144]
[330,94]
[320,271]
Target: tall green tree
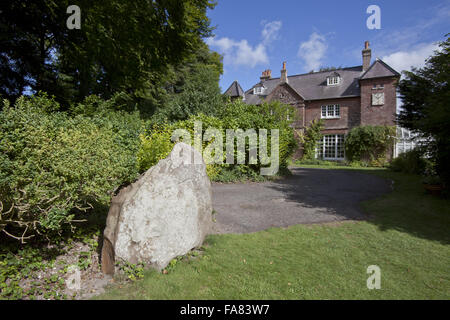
[425,94]
[29,35]
[122,46]
[193,87]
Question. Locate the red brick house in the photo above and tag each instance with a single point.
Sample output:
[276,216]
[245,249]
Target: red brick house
[344,98]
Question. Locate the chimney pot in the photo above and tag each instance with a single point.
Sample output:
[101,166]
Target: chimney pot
[266,75]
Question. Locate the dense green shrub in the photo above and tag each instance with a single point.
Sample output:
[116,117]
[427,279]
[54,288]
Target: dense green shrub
[274,115]
[411,162]
[156,144]
[53,165]
[369,144]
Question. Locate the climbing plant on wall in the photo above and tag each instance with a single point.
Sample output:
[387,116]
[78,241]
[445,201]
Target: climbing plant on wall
[311,137]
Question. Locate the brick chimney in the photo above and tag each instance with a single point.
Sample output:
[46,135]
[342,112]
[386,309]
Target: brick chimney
[366,55]
[266,75]
[284,78]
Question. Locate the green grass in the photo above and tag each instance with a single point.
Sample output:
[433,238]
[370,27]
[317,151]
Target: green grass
[408,237]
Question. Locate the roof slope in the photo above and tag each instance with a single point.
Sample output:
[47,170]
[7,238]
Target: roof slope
[313,86]
[235,90]
[379,69]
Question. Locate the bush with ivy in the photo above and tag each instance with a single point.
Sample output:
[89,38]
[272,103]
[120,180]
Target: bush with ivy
[54,166]
[369,144]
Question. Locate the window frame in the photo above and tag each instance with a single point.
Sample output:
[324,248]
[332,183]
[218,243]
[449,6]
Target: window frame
[335,144]
[333,80]
[335,114]
[258,90]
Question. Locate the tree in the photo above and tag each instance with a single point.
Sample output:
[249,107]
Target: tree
[28,33]
[122,46]
[425,94]
[193,87]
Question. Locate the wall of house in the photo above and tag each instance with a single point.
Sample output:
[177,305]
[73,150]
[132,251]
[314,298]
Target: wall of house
[349,113]
[378,115]
[349,117]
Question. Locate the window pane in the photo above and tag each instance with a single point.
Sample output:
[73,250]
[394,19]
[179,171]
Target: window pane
[329,146]
[336,110]
[324,111]
[330,111]
[333,146]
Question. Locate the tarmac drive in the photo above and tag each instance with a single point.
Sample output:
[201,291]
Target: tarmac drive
[308,196]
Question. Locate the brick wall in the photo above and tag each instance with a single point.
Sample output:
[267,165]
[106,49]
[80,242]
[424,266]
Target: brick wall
[349,113]
[378,115]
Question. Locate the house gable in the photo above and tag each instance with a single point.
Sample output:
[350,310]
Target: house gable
[235,90]
[285,94]
[379,69]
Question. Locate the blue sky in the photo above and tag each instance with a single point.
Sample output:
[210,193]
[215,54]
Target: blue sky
[258,35]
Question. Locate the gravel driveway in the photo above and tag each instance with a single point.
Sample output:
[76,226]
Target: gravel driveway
[309,196]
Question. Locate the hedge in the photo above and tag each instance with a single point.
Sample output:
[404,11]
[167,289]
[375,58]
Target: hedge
[53,165]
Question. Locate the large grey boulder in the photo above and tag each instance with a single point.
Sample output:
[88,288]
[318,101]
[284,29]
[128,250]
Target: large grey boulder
[164,214]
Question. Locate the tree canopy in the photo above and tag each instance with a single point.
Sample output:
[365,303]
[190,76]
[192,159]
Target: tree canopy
[122,46]
[425,94]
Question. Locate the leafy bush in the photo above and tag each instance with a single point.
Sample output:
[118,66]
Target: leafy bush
[156,144]
[274,115]
[309,139]
[369,144]
[53,165]
[410,162]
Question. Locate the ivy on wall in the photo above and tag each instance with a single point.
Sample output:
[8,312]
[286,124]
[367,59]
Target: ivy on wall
[311,137]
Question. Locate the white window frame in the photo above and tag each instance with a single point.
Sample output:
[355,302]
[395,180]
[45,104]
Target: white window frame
[333,80]
[258,90]
[331,111]
[321,148]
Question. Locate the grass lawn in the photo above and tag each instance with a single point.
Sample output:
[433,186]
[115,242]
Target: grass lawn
[407,236]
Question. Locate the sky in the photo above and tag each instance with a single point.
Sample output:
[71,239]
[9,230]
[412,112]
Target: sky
[254,35]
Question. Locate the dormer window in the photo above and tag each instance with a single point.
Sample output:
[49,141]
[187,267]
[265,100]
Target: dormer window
[334,79]
[258,90]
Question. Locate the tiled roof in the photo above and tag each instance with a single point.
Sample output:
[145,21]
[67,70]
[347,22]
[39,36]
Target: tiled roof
[313,86]
[379,69]
[235,90]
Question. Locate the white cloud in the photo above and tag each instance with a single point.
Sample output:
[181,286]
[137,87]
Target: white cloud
[405,60]
[271,31]
[415,57]
[313,51]
[241,52]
